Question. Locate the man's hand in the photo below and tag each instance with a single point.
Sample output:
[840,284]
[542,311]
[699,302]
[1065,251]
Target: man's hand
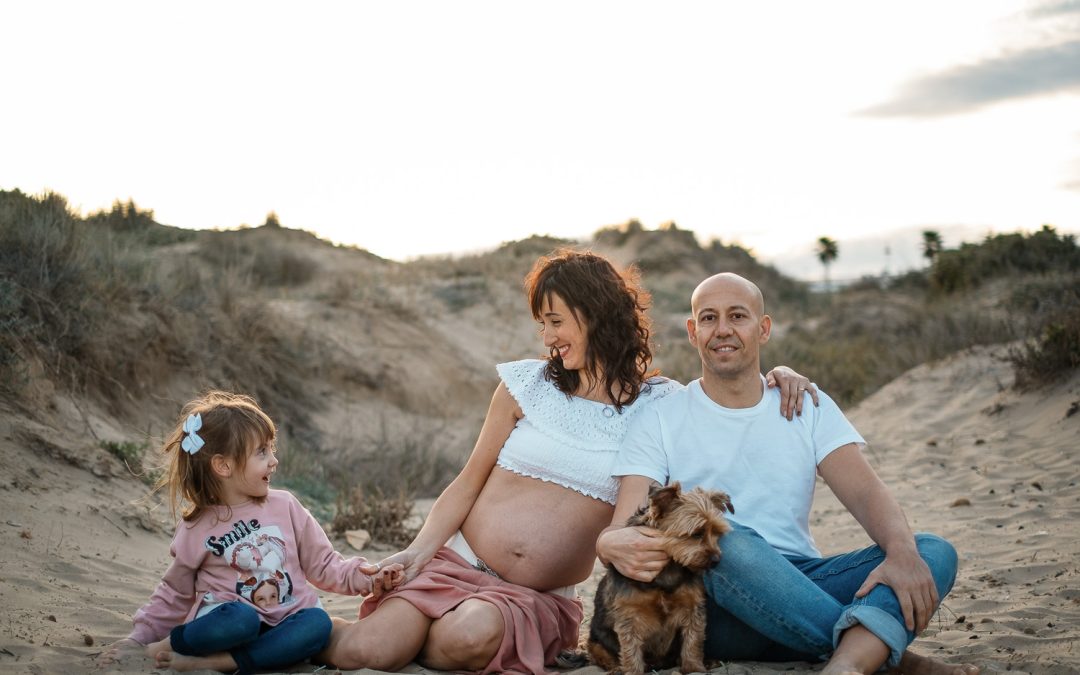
[909,577]
[792,386]
[637,552]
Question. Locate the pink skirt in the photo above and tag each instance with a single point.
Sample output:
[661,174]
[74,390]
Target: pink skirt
[538,625]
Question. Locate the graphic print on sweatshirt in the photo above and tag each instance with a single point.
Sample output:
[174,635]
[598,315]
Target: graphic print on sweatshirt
[258,554]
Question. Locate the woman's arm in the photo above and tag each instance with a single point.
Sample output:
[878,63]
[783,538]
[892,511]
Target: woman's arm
[454,504]
[792,387]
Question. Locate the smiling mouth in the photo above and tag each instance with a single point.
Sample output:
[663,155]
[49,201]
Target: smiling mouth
[563,350]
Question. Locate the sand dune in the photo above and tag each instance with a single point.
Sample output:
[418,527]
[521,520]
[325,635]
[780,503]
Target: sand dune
[992,469]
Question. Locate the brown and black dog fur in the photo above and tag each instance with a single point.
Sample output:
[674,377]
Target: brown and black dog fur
[637,625]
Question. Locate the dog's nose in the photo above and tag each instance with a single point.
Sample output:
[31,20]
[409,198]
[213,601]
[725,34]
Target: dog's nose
[714,558]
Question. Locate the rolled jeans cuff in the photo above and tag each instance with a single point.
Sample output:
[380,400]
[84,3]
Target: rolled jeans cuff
[880,623]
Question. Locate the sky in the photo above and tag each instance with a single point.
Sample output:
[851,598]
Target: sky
[420,128]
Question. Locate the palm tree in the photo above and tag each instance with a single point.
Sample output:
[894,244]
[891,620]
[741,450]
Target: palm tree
[931,244]
[827,250]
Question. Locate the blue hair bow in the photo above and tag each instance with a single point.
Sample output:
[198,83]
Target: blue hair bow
[193,442]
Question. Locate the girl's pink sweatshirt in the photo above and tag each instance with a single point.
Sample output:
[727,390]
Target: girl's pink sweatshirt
[261,554]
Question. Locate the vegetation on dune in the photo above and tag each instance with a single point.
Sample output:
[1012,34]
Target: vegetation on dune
[1009,287]
[116,306]
[87,300]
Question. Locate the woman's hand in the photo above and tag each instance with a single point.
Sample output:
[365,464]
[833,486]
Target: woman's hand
[382,576]
[394,571]
[116,650]
[792,385]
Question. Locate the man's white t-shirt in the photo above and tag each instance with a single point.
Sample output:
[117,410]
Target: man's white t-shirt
[766,463]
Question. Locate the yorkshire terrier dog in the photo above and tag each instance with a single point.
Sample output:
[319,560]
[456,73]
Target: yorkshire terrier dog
[645,625]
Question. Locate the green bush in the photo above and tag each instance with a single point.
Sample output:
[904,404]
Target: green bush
[133,456]
[1055,351]
[999,255]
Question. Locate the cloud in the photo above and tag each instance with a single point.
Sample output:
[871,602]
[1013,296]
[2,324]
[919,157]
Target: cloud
[1022,74]
[1058,8]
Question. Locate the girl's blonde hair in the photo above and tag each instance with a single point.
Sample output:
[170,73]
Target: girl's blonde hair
[232,424]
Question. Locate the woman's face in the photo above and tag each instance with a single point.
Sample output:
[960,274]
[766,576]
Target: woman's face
[564,332]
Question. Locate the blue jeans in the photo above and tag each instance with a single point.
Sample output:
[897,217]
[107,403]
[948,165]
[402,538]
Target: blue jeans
[235,627]
[764,606]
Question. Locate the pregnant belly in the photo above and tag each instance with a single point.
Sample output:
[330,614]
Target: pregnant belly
[535,533]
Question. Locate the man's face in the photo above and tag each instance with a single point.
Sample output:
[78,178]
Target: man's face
[728,327]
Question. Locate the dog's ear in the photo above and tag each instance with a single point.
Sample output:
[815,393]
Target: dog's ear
[722,501]
[662,498]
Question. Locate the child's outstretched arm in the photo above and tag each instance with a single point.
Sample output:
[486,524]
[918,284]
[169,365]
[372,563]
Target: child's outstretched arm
[167,607]
[171,601]
[323,566]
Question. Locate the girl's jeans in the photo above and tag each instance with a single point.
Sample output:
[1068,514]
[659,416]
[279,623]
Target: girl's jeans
[764,606]
[235,627]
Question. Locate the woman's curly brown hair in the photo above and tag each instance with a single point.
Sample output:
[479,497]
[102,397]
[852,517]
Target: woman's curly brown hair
[611,307]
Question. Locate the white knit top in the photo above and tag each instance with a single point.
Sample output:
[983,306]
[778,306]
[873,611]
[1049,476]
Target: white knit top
[569,441]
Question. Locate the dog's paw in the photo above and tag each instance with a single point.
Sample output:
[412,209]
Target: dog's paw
[572,658]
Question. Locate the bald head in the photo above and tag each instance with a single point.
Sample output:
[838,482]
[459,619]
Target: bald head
[727,282]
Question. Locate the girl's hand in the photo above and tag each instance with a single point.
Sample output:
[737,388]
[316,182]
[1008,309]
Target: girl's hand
[792,386]
[393,575]
[394,571]
[116,650]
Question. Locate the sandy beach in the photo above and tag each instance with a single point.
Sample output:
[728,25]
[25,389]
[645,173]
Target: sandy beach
[990,468]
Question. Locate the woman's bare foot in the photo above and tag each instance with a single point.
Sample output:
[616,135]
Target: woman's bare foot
[914,664]
[221,662]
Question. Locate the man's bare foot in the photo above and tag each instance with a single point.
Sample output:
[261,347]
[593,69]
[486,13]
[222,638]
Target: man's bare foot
[915,664]
[221,662]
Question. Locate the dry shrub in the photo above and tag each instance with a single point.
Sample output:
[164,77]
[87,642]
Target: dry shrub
[72,297]
[866,338]
[383,516]
[258,257]
[1054,351]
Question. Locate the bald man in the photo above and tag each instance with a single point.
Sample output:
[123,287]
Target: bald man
[773,596]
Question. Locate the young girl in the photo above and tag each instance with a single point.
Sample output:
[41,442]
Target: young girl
[237,597]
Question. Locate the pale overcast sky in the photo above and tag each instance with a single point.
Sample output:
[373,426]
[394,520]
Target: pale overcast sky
[413,128]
